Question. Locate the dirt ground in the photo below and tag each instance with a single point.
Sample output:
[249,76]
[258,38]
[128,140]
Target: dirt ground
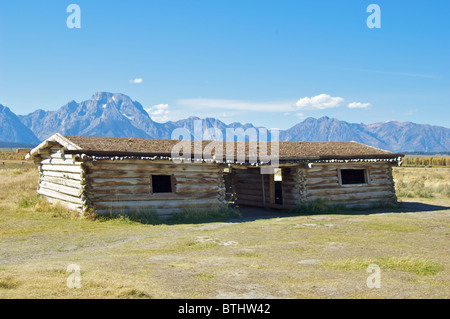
[265,254]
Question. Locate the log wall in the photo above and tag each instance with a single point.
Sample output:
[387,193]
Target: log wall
[119,186]
[61,178]
[293,186]
[322,181]
[125,186]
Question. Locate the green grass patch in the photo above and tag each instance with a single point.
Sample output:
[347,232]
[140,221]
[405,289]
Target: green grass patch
[414,265]
[247,254]
[27,202]
[395,227]
[205,276]
[317,206]
[197,215]
[188,215]
[8,283]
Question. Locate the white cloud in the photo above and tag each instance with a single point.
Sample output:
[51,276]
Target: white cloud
[159,112]
[319,102]
[137,81]
[358,105]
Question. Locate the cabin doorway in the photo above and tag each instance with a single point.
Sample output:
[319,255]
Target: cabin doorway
[248,187]
[278,186]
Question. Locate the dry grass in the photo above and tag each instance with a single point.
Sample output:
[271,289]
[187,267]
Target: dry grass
[409,264]
[422,182]
[315,256]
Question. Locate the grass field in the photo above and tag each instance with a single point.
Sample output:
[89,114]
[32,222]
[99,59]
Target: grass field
[315,256]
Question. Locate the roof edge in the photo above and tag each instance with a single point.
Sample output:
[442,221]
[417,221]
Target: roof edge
[54,139]
[281,158]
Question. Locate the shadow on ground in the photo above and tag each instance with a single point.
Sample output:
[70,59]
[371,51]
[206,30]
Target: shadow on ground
[249,214]
[255,213]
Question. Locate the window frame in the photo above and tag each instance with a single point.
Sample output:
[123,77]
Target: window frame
[172,184]
[367,180]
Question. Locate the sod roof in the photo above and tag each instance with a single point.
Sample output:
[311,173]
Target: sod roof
[287,150]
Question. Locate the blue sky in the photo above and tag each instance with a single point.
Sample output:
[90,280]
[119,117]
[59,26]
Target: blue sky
[272,63]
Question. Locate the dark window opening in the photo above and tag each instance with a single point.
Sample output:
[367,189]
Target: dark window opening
[353,176]
[162,183]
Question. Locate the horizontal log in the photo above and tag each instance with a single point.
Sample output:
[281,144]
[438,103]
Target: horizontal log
[374,177]
[57,161]
[183,178]
[309,183]
[61,181]
[357,196]
[353,165]
[73,176]
[379,171]
[138,161]
[61,168]
[76,192]
[133,189]
[332,173]
[346,190]
[151,197]
[197,188]
[199,181]
[381,182]
[338,186]
[145,174]
[161,212]
[118,166]
[57,195]
[145,189]
[367,201]
[146,181]
[125,181]
[68,205]
[156,204]
[59,155]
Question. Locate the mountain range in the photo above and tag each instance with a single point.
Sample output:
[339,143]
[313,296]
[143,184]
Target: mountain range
[108,114]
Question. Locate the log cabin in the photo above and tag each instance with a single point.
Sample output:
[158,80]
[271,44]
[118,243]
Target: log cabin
[126,175]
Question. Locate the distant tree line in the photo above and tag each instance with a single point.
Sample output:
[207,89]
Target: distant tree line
[9,155]
[426,153]
[426,161]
